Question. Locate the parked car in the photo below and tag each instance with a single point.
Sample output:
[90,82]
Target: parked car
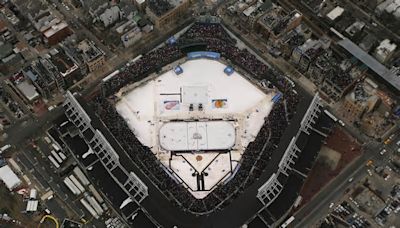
[351,179]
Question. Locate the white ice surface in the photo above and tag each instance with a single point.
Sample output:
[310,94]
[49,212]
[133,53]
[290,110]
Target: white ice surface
[197,135]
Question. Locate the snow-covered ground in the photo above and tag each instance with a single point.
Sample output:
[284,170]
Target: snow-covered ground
[202,92]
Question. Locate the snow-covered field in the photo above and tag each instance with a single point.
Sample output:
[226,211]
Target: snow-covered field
[202,92]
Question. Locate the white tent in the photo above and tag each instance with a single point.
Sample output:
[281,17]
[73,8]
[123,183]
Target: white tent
[32,205]
[9,178]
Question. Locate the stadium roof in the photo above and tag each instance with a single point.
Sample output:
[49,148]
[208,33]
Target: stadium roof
[371,62]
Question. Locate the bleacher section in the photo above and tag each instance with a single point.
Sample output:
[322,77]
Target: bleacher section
[257,155]
[294,166]
[101,147]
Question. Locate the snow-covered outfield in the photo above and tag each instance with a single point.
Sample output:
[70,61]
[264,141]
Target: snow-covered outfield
[218,110]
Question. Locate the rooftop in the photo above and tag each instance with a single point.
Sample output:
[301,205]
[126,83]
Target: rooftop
[371,62]
[28,90]
[89,50]
[160,7]
[386,46]
[32,7]
[62,61]
[5,50]
[55,28]
[272,16]
[314,5]
[252,9]
[95,6]
[39,72]
[3,26]
[276,20]
[335,13]
[9,178]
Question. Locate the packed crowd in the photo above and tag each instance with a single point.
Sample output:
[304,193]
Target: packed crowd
[201,31]
[218,40]
[149,63]
[142,155]
[257,154]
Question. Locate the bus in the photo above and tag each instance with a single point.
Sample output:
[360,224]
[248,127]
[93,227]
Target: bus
[55,163]
[330,115]
[62,155]
[287,223]
[56,156]
[55,147]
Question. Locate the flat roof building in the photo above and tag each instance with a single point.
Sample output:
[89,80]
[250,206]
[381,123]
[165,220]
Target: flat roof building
[131,37]
[56,33]
[54,72]
[371,62]
[335,13]
[9,178]
[92,55]
[166,12]
[53,28]
[28,90]
[361,100]
[43,76]
[385,50]
[275,22]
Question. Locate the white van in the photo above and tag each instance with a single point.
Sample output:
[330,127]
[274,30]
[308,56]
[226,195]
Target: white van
[47,139]
[350,179]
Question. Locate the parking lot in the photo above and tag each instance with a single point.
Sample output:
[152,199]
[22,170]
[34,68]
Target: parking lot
[46,177]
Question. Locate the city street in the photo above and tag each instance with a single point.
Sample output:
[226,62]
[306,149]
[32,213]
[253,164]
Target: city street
[318,207]
[46,176]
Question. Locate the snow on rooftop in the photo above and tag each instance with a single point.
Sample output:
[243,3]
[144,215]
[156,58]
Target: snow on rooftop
[55,28]
[9,178]
[387,45]
[28,90]
[335,13]
[221,112]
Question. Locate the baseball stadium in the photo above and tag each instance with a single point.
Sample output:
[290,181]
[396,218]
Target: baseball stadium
[198,132]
